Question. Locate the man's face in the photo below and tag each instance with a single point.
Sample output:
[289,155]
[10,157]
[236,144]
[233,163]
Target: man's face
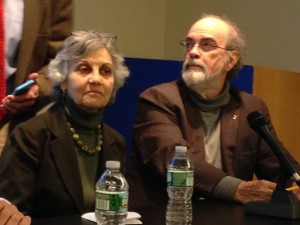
[207,62]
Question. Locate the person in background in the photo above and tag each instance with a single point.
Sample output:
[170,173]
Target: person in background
[34,32]
[205,113]
[50,163]
[9,214]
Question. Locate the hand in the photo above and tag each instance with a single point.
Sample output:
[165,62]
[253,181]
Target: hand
[10,215]
[296,193]
[16,104]
[295,190]
[257,190]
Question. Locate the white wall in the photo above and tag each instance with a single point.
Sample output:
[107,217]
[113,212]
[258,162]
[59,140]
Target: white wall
[152,28]
[139,24]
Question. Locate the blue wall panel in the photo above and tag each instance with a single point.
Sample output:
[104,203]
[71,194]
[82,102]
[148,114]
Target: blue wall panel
[244,81]
[145,73]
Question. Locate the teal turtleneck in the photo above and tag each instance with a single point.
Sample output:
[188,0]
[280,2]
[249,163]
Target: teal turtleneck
[206,105]
[210,110]
[210,113]
[85,125]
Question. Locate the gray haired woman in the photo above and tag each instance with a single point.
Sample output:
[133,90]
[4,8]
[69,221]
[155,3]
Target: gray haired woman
[50,164]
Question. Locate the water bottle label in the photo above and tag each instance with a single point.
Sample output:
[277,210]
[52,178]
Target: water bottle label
[180,178]
[108,201]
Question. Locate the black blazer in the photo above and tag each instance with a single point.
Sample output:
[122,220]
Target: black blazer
[39,172]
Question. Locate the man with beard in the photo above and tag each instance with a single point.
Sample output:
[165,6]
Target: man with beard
[203,112]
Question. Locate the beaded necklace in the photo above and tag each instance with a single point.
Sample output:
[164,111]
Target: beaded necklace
[82,145]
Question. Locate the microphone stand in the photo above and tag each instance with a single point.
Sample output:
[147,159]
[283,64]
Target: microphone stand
[283,204]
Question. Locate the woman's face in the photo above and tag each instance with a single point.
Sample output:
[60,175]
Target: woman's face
[91,80]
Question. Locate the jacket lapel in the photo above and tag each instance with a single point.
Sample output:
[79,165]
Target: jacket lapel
[194,129]
[65,158]
[62,148]
[109,151]
[229,124]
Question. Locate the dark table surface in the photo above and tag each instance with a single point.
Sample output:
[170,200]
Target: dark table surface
[204,213]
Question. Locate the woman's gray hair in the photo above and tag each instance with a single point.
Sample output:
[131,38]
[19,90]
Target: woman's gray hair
[236,42]
[75,47]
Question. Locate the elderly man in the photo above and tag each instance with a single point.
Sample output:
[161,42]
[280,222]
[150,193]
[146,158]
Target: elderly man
[203,112]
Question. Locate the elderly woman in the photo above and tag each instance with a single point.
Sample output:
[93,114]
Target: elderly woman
[51,163]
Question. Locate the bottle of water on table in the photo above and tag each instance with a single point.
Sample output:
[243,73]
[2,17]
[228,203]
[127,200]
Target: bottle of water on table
[111,196]
[180,181]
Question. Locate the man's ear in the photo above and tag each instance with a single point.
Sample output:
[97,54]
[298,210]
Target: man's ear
[233,59]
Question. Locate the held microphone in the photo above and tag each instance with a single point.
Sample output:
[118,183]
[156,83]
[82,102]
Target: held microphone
[261,125]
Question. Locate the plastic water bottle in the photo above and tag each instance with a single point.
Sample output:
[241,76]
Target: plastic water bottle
[180,181]
[180,176]
[111,196]
[179,213]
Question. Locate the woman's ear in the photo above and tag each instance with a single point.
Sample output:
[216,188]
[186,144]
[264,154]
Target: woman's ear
[64,86]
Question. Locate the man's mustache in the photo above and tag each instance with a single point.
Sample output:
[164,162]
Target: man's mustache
[192,62]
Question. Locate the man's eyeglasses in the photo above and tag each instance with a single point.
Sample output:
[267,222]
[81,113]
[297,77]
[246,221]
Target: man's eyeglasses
[205,45]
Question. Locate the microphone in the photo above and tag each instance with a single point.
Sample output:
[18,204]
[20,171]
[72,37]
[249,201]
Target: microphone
[262,126]
[282,204]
